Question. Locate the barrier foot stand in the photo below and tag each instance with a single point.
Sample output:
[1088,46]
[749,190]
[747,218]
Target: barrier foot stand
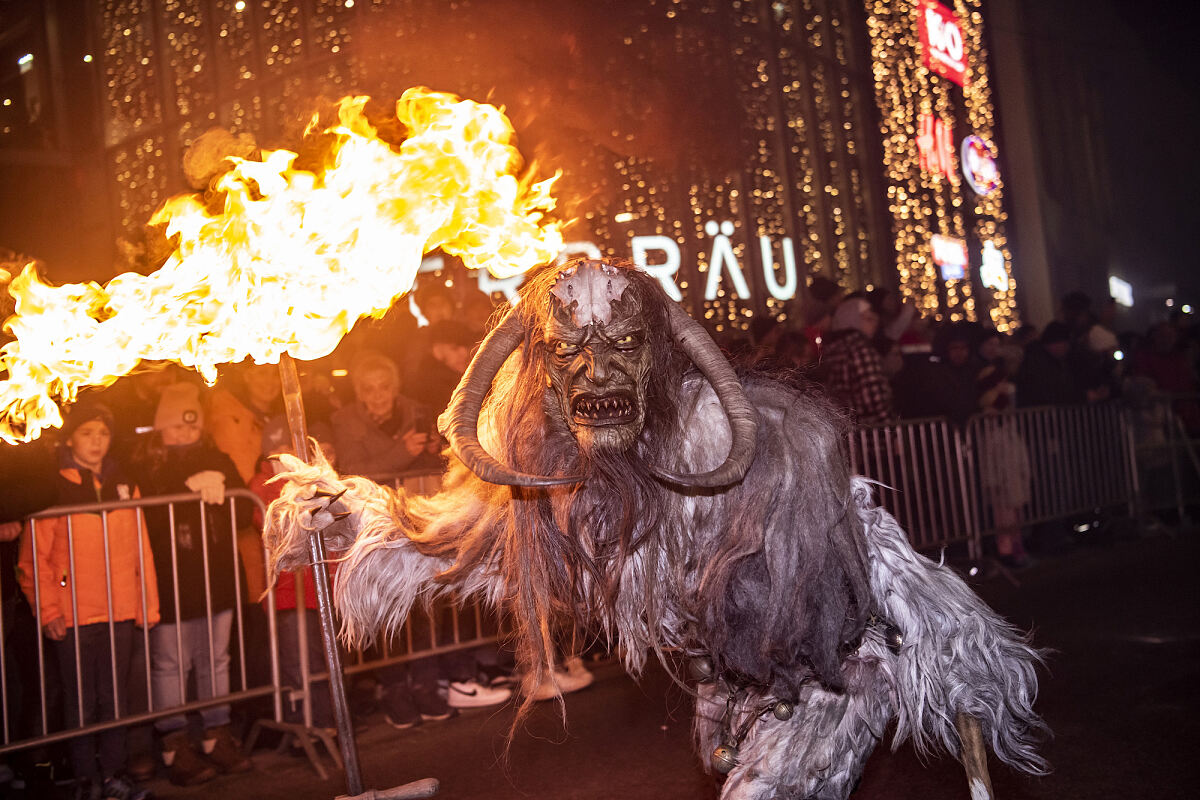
[302,736]
[1005,572]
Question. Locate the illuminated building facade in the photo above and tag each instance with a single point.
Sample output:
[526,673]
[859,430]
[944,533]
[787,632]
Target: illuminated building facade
[736,148]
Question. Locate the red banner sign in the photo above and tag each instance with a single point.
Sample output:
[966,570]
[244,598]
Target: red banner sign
[935,146]
[942,46]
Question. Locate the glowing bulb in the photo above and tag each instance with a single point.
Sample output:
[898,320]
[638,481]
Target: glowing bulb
[624,216]
[1170,303]
[87,59]
[240,5]
[25,59]
[1186,309]
[1118,355]
[339,373]
[349,3]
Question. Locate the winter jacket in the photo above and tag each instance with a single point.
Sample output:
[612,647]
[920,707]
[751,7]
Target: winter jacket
[366,448]
[169,475]
[285,582]
[855,377]
[129,568]
[235,429]
[1044,380]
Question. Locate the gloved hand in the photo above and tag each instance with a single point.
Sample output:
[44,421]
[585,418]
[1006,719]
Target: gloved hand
[210,484]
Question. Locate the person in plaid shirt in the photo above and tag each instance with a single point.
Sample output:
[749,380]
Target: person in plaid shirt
[853,368]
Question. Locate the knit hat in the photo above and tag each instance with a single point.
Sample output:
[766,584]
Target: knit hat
[86,411]
[179,405]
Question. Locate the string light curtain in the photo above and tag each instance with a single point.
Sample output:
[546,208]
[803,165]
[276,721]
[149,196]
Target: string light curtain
[801,180]
[925,202]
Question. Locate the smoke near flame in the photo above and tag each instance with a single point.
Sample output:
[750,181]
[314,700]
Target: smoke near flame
[292,262]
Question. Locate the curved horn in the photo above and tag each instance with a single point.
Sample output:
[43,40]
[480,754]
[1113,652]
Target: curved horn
[743,419]
[462,425]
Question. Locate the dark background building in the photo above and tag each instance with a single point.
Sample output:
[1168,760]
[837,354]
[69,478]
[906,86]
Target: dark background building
[795,122]
[1099,111]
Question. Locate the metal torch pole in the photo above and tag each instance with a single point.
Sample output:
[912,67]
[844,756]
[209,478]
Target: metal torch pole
[294,405]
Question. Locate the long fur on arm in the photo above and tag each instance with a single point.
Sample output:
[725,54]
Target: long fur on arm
[958,655]
[379,572]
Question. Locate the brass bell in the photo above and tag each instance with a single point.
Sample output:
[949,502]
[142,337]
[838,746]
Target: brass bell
[783,710]
[701,668]
[893,637]
[724,758]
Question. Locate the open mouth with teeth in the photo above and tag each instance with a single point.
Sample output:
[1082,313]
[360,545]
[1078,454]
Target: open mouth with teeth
[614,409]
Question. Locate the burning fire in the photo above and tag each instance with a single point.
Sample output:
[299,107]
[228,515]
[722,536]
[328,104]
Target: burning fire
[293,260]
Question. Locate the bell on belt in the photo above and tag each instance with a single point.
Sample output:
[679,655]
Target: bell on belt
[724,758]
[701,668]
[893,637]
[783,710]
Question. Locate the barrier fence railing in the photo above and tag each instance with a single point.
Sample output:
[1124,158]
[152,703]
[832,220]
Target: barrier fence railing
[139,705]
[946,485]
[1040,464]
[36,695]
[1166,452]
[922,478]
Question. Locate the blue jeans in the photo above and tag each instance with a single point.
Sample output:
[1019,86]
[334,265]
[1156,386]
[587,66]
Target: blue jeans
[165,660]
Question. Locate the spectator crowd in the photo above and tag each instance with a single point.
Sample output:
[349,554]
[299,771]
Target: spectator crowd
[192,574]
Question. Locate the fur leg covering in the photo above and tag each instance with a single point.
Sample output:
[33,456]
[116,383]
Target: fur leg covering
[377,571]
[819,753]
[957,655]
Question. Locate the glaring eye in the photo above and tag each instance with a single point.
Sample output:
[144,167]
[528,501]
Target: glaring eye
[565,349]
[627,342]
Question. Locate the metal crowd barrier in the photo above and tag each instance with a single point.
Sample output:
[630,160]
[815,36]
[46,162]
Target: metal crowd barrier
[122,717]
[1040,464]
[448,627]
[1166,456]
[923,479]
[946,486]
[462,629]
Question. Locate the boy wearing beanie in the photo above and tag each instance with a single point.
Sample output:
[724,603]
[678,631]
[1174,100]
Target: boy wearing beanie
[69,568]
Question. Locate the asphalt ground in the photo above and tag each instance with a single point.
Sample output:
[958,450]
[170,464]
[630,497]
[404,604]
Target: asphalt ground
[1120,692]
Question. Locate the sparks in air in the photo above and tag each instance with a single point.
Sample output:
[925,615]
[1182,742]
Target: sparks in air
[293,259]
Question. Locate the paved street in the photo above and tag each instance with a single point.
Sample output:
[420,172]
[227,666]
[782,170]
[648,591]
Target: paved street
[1120,692]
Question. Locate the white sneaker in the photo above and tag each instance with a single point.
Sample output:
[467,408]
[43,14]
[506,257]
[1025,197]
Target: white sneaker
[469,694]
[575,677]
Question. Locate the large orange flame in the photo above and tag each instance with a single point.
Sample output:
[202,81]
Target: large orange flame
[292,262]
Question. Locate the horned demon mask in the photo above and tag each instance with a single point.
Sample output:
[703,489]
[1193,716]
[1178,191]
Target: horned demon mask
[597,353]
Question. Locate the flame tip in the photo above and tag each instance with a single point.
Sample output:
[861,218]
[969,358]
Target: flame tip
[292,258]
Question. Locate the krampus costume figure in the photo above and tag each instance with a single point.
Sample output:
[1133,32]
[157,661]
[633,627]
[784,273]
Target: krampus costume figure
[611,469]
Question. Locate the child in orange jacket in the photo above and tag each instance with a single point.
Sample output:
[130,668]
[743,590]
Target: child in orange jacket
[70,583]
